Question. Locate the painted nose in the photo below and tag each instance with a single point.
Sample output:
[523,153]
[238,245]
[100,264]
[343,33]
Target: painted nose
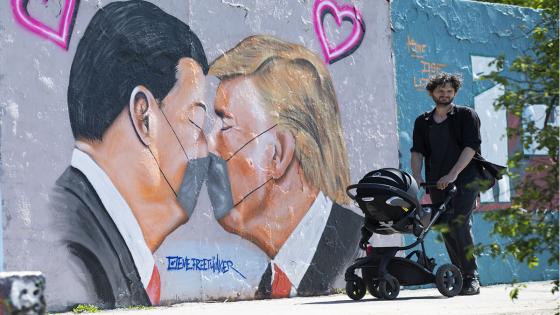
[202,144]
[211,138]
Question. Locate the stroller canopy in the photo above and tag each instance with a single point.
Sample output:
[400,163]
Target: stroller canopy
[386,196]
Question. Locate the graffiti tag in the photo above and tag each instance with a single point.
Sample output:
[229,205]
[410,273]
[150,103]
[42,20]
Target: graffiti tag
[61,37]
[214,264]
[347,13]
[416,49]
[429,69]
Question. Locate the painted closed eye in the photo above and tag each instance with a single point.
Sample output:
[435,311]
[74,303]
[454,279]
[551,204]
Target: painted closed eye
[226,124]
[195,124]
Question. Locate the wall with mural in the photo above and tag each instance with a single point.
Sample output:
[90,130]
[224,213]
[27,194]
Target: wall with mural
[165,151]
[464,37]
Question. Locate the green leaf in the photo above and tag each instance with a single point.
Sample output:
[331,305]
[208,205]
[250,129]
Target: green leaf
[530,78]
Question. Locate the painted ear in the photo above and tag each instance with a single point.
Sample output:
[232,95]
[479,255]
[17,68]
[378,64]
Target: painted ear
[141,108]
[284,149]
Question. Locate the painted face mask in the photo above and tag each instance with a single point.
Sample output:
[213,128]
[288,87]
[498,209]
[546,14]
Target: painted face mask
[195,175]
[219,186]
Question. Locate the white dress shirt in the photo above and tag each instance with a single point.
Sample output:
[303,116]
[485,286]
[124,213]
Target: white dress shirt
[119,211]
[295,256]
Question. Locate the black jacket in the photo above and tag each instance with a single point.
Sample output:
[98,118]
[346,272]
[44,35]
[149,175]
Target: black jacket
[464,125]
[93,240]
[335,251]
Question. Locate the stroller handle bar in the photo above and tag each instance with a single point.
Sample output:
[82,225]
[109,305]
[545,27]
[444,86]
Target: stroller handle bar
[434,185]
[450,191]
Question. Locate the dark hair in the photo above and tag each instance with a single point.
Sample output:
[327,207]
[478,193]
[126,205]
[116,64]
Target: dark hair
[126,44]
[444,78]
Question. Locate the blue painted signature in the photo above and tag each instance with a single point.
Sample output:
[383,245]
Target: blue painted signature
[214,264]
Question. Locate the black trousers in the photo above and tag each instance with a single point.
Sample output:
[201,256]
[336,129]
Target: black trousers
[458,236]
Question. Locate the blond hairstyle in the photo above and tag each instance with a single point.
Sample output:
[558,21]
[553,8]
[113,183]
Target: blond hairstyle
[297,91]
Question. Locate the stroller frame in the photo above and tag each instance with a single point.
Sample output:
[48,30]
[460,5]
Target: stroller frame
[383,273]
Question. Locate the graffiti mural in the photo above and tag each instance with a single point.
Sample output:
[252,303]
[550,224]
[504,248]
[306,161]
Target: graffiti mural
[282,145]
[149,108]
[463,37]
[162,161]
[59,36]
[331,52]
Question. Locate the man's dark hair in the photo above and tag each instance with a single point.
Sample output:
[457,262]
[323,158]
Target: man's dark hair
[126,44]
[444,78]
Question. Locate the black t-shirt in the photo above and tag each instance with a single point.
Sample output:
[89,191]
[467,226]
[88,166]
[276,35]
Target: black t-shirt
[444,150]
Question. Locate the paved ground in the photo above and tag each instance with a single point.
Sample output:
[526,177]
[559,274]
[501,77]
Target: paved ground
[534,299]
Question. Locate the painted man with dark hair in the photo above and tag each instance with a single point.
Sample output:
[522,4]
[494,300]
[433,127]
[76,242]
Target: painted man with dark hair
[446,140]
[136,111]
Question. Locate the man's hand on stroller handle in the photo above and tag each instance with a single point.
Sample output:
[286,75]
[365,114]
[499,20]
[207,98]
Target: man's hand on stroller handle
[435,185]
[446,180]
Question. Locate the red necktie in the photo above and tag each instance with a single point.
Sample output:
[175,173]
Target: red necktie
[281,285]
[154,287]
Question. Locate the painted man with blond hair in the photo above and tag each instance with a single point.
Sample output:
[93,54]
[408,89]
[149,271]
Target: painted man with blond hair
[280,146]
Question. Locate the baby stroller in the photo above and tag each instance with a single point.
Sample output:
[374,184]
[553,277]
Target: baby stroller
[388,198]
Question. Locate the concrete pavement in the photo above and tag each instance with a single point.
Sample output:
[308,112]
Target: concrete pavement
[534,299]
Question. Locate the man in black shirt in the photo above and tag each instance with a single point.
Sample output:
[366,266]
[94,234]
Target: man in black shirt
[446,139]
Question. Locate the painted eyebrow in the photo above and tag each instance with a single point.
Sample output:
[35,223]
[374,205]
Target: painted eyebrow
[202,105]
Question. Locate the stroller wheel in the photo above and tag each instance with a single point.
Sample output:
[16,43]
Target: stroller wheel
[355,288]
[449,280]
[373,288]
[389,287]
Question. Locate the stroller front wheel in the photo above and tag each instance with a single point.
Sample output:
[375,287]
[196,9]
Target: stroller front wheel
[373,288]
[389,287]
[355,288]
[449,280]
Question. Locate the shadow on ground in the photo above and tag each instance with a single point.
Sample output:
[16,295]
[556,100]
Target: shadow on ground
[377,300]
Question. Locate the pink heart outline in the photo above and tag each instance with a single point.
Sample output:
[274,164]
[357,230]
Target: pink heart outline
[340,13]
[61,37]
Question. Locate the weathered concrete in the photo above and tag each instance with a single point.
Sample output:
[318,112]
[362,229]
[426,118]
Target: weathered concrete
[534,299]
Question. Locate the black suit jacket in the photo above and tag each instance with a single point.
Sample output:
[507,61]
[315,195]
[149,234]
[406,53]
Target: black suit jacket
[92,238]
[336,250]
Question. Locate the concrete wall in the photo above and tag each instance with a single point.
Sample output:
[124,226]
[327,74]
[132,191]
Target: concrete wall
[38,42]
[238,252]
[464,37]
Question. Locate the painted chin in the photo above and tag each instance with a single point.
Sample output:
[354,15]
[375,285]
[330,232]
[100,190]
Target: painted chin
[232,222]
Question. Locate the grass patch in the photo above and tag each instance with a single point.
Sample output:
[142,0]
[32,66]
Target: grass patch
[85,308]
[340,290]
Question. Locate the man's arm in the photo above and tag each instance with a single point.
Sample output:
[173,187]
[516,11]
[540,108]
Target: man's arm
[464,159]
[416,162]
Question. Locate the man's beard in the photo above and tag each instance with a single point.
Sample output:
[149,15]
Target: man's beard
[445,103]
